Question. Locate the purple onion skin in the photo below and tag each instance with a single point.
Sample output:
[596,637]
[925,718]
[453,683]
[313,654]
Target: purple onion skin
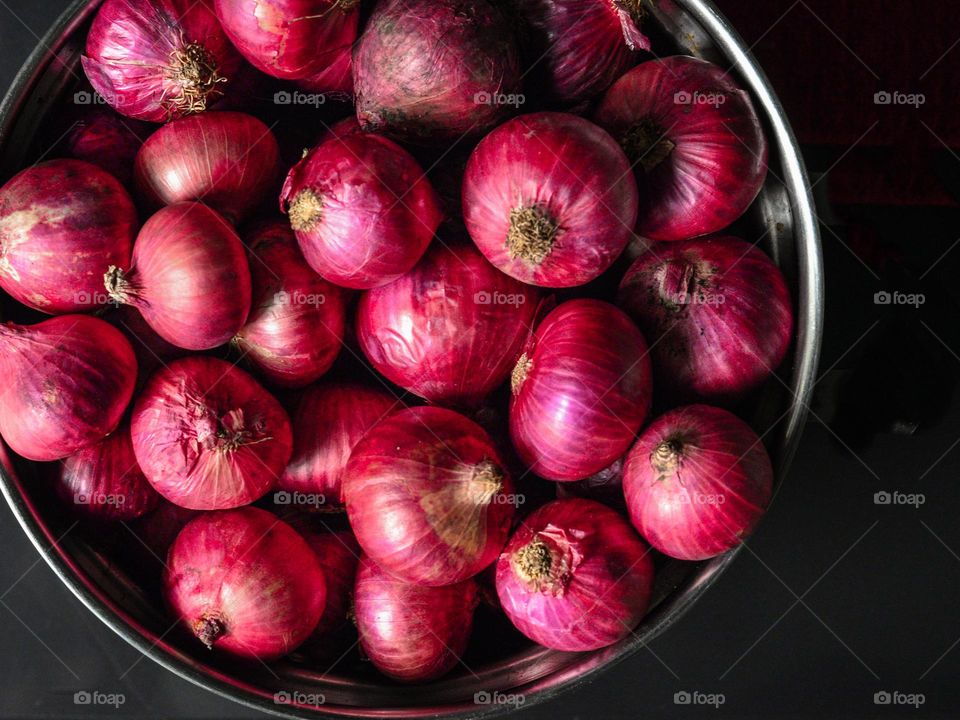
[697,482]
[107,139]
[720,312]
[713,161]
[158,529]
[575,576]
[412,633]
[339,556]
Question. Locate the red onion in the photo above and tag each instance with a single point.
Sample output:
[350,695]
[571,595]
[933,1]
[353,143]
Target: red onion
[341,128]
[575,576]
[207,436]
[549,199]
[336,79]
[362,210]
[605,486]
[697,482]
[339,555]
[151,350]
[104,138]
[328,422]
[451,329]
[581,392]
[410,632]
[104,481]
[158,529]
[158,59]
[695,142]
[435,68]
[67,381]
[228,160]
[245,582]
[62,222]
[720,311]
[578,48]
[189,277]
[295,329]
[428,496]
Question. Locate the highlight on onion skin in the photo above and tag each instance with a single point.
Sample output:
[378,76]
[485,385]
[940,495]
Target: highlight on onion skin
[189,277]
[207,436]
[580,392]
[105,138]
[428,496]
[62,222]
[227,160]
[720,311]
[697,482]
[158,60]
[362,210]
[695,142]
[575,576]
[451,329]
[296,324]
[245,583]
[68,380]
[549,199]
[410,632]
[435,69]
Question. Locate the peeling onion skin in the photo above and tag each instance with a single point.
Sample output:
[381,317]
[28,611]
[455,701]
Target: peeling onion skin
[575,576]
[420,66]
[451,329]
[581,392]
[245,583]
[718,161]
[109,140]
[697,482]
[572,178]
[428,496]
[62,223]
[721,312]
[207,436]
[410,632]
[227,160]
[134,45]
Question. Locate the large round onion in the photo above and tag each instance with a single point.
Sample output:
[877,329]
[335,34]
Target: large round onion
[428,496]
[362,209]
[581,392]
[451,329]
[695,142]
[435,68]
[207,436]
[549,199]
[411,632]
[189,277]
[228,160]
[104,138]
[244,582]
[697,482]
[720,312]
[62,223]
[67,383]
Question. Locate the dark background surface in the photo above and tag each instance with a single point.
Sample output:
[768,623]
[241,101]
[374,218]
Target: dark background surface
[835,598]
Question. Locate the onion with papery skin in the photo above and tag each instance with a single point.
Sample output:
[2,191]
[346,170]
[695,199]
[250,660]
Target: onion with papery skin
[362,210]
[189,277]
[697,482]
[451,329]
[67,382]
[549,199]
[605,486]
[158,59]
[575,576]
[435,69]
[62,223]
[335,80]
[339,555]
[720,311]
[295,328]
[581,391]
[428,496]
[244,582]
[104,138]
[410,632]
[207,436]
[227,160]
[695,142]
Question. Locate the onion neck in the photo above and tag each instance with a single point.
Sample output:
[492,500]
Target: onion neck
[531,234]
[520,372]
[121,287]
[634,9]
[305,210]
[196,73]
[667,456]
[646,144]
[486,480]
[682,283]
[209,628]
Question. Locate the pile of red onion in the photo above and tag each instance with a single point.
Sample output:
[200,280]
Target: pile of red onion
[331,376]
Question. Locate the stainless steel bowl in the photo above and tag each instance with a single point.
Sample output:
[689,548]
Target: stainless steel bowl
[783,216]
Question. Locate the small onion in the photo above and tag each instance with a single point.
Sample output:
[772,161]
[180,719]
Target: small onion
[605,486]
[104,138]
[697,482]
